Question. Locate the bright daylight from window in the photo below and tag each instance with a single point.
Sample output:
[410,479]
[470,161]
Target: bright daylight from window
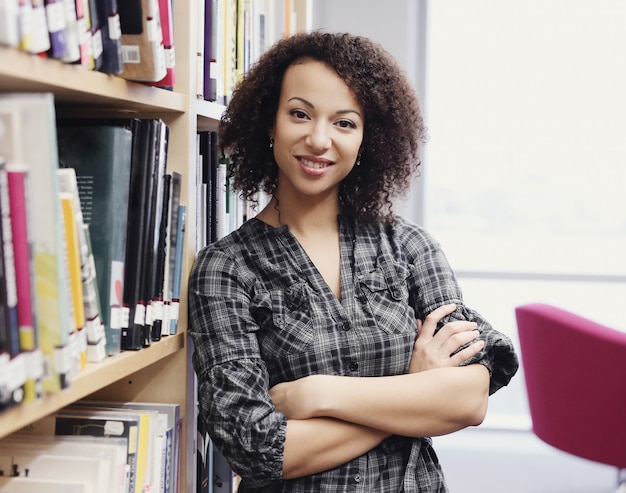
[525,169]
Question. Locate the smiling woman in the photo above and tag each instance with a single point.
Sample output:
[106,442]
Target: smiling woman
[327,303]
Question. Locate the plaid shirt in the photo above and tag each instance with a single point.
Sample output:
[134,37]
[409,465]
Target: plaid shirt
[260,314]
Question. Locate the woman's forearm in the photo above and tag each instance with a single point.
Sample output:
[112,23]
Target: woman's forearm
[318,444]
[428,403]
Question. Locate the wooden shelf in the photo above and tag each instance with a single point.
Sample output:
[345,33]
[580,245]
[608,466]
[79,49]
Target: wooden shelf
[209,114]
[95,377]
[76,86]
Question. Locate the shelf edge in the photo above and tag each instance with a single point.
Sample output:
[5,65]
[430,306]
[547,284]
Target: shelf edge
[95,377]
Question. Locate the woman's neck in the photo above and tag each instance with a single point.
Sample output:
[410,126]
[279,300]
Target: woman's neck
[307,217]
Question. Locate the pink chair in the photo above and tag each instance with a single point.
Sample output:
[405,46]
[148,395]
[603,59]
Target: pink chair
[575,371]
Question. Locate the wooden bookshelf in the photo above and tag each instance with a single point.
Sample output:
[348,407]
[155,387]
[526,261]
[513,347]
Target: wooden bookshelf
[96,377]
[161,372]
[74,85]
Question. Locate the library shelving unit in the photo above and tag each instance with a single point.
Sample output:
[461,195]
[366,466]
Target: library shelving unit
[161,372]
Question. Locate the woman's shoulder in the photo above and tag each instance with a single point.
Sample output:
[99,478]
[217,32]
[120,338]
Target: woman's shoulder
[232,246]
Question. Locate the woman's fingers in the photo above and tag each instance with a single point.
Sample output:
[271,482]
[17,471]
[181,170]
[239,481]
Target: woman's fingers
[466,353]
[429,325]
[444,348]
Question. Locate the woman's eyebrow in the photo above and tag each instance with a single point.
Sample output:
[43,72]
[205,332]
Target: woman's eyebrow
[311,105]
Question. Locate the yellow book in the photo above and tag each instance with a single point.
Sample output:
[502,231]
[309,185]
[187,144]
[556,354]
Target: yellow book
[75,278]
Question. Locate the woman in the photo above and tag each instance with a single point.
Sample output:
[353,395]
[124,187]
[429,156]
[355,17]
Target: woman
[331,339]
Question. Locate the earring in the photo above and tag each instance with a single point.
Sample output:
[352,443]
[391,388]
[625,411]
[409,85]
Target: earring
[358,160]
[271,142]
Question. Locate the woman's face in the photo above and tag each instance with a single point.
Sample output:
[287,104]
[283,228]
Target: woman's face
[318,130]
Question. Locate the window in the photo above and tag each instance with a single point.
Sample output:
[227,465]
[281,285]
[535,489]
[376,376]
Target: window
[525,168]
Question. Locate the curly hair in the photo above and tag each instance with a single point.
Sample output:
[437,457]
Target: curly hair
[393,131]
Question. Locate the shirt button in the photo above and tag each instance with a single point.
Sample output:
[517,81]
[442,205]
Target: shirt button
[357,478]
[354,366]
[346,326]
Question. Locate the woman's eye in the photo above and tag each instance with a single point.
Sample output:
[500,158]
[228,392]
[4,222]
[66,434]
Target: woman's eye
[299,114]
[346,124]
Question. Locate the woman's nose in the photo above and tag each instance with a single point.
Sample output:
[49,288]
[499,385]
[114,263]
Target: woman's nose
[319,137]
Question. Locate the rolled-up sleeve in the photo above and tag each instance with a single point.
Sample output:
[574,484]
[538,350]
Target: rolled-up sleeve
[233,381]
[434,284]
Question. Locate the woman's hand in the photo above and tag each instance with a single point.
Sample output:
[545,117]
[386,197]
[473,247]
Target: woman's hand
[297,399]
[439,350]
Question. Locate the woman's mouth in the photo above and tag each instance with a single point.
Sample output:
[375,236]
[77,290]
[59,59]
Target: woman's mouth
[314,164]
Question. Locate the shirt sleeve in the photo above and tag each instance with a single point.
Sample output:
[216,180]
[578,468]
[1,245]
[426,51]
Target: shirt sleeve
[434,284]
[233,381]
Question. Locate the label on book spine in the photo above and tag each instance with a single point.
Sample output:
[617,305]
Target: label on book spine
[140,314]
[115,28]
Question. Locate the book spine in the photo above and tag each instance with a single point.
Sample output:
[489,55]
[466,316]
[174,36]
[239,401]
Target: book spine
[72,44]
[95,35]
[9,24]
[111,33]
[41,38]
[94,326]
[22,250]
[15,371]
[55,17]
[178,264]
[25,26]
[75,259]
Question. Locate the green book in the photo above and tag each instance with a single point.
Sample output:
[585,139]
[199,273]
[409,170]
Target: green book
[100,151]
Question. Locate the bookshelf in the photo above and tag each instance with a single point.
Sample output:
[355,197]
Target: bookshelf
[160,372]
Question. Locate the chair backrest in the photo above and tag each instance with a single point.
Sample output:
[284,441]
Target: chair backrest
[575,372]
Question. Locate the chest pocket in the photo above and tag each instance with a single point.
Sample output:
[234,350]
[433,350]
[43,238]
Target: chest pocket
[385,297]
[285,320]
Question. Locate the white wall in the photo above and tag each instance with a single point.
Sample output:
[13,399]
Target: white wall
[398,25]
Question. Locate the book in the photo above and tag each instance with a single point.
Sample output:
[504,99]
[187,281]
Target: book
[158,300]
[223,476]
[85,47]
[9,23]
[22,250]
[210,62]
[55,17]
[40,40]
[30,485]
[25,26]
[17,178]
[72,43]
[230,48]
[142,41]
[94,326]
[170,250]
[167,27]
[37,113]
[144,135]
[95,35]
[148,151]
[102,423]
[154,206]
[12,391]
[204,457]
[111,34]
[178,268]
[76,257]
[100,153]
[91,471]
[91,337]
[111,451]
[169,428]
